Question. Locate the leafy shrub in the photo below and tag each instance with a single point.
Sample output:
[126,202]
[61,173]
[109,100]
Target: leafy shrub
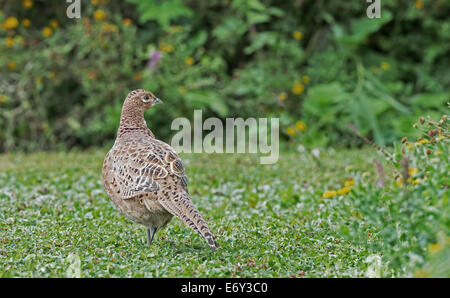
[405,218]
[68,78]
[324,65]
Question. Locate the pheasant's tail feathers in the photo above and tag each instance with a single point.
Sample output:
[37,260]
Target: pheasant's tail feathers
[192,217]
[210,239]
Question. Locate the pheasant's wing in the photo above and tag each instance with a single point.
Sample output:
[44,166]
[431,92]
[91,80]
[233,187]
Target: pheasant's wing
[142,166]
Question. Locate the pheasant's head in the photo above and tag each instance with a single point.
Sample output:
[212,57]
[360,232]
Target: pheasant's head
[142,99]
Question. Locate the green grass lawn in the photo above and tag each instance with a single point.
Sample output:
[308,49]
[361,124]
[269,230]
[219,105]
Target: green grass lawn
[271,220]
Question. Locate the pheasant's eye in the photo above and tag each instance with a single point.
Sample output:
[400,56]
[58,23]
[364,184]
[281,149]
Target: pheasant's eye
[145,98]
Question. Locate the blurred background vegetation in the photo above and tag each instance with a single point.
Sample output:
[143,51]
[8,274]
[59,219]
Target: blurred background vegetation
[317,65]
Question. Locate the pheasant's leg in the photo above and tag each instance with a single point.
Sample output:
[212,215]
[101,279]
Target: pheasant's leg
[150,234]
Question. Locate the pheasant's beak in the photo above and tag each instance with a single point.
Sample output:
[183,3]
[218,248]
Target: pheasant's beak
[157,100]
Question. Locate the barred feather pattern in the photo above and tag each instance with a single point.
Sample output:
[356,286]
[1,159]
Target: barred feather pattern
[182,207]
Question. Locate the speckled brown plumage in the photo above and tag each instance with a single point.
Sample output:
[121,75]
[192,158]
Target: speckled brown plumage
[144,177]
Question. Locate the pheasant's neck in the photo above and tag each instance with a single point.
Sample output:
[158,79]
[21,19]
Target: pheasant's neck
[132,121]
[132,117]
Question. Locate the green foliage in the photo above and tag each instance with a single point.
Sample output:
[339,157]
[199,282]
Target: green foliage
[161,11]
[325,64]
[66,88]
[406,219]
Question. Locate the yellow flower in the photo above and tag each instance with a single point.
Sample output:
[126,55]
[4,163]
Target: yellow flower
[435,247]
[166,48]
[401,181]
[99,2]
[127,22]
[9,41]
[3,98]
[189,60]
[385,66]
[109,27]
[26,22]
[421,273]
[409,146]
[329,194]
[282,96]
[438,152]
[27,4]
[422,142]
[291,131]
[54,24]
[52,75]
[349,182]
[305,79]
[419,4]
[297,35]
[176,29]
[343,191]
[47,31]
[348,168]
[413,171]
[10,23]
[300,125]
[12,65]
[298,88]
[99,15]
[182,90]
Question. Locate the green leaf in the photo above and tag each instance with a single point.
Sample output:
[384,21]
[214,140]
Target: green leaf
[198,40]
[322,101]
[231,28]
[323,96]
[161,11]
[262,39]
[256,5]
[257,18]
[276,11]
[206,98]
[367,113]
[430,100]
[360,29]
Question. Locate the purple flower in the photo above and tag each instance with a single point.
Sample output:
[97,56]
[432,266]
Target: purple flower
[155,57]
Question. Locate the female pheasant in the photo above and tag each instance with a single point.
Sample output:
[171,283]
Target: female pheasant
[144,177]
